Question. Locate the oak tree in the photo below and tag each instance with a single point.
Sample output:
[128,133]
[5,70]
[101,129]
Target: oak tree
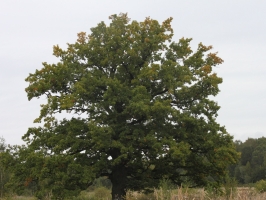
[140,111]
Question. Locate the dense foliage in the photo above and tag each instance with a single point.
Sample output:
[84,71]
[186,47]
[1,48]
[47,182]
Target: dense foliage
[4,173]
[252,165]
[141,111]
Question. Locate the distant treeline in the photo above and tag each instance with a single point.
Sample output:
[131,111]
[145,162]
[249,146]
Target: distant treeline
[252,164]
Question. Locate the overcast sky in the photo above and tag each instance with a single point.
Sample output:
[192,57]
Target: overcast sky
[236,29]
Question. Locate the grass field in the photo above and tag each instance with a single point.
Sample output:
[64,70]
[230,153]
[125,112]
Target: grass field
[241,193]
[244,193]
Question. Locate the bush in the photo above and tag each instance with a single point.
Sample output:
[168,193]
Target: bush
[101,182]
[230,187]
[213,190]
[102,193]
[139,196]
[260,186]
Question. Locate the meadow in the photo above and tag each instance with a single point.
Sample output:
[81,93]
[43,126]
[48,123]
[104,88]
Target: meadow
[102,193]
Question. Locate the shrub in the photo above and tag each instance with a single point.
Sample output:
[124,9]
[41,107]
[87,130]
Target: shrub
[260,186]
[102,193]
[230,187]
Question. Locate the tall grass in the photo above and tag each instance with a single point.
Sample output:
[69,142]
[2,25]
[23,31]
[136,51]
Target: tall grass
[198,194]
[180,193]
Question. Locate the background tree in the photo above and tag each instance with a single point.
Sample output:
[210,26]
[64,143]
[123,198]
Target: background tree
[252,165]
[140,111]
[4,173]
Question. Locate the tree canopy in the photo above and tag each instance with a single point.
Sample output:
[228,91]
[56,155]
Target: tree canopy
[141,111]
[252,164]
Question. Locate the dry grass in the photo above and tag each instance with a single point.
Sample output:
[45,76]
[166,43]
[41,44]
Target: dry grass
[19,198]
[197,194]
[242,193]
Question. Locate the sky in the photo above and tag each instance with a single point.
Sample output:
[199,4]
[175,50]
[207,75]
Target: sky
[236,29]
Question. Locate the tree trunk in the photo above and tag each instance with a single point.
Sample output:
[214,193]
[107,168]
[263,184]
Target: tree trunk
[119,181]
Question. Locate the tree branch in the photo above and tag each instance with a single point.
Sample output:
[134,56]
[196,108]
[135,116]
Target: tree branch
[161,92]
